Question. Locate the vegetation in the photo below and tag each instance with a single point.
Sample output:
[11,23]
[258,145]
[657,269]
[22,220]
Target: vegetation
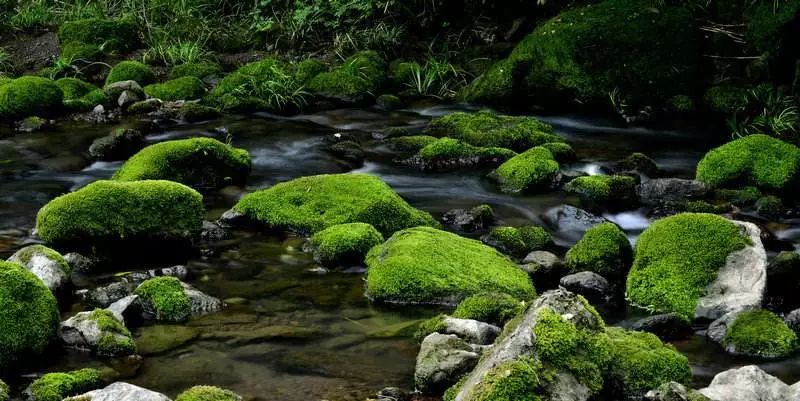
[185,88]
[760,333]
[604,249]
[345,243]
[604,189]
[641,362]
[487,129]
[519,241]
[57,386]
[207,393]
[532,170]
[115,339]
[131,71]
[166,297]
[29,95]
[496,309]
[359,75]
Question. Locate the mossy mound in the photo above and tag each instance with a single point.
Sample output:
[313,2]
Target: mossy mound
[519,241]
[677,258]
[311,204]
[24,256]
[131,71]
[166,297]
[306,70]
[29,95]
[115,339]
[58,386]
[345,243]
[531,171]
[743,197]
[361,75]
[413,143]
[618,191]
[208,393]
[758,160]
[426,265]
[247,88]
[80,95]
[760,333]
[194,112]
[115,211]
[28,312]
[604,249]
[198,70]
[496,309]
[115,35]
[449,153]
[561,151]
[639,162]
[485,129]
[197,162]
[184,88]
[81,51]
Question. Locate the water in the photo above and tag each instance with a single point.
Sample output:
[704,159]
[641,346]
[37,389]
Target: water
[289,332]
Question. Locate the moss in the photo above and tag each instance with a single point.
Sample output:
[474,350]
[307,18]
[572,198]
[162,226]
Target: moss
[80,95]
[57,386]
[29,95]
[131,71]
[519,241]
[24,255]
[641,362]
[185,88]
[757,160]
[726,99]
[115,35]
[74,88]
[361,74]
[144,106]
[604,249]
[677,258]
[167,298]
[496,309]
[562,152]
[770,207]
[746,196]
[603,189]
[113,211]
[412,144]
[345,243]
[86,52]
[388,102]
[485,129]
[430,326]
[515,380]
[241,91]
[641,163]
[310,204]
[197,162]
[306,70]
[194,112]
[29,314]
[760,333]
[767,25]
[533,170]
[207,393]
[115,339]
[198,70]
[426,265]
[447,153]
[494,85]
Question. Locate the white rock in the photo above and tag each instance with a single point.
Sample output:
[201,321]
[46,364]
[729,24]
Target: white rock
[471,330]
[121,391]
[53,272]
[748,383]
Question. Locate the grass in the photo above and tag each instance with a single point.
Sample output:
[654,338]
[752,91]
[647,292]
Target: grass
[177,52]
[436,78]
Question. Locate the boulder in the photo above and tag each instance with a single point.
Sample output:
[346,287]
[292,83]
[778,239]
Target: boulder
[183,88]
[662,190]
[534,170]
[129,70]
[46,264]
[344,244]
[592,286]
[168,299]
[115,90]
[604,249]
[748,383]
[667,326]
[119,145]
[463,221]
[674,391]
[570,221]
[29,95]
[518,241]
[60,385]
[638,163]
[754,333]
[472,331]
[604,191]
[487,130]
[121,391]
[452,154]
[99,332]
[208,393]
[544,268]
[442,360]
[792,320]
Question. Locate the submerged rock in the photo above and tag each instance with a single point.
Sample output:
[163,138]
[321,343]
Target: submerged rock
[46,264]
[667,326]
[121,391]
[749,383]
[571,221]
[442,360]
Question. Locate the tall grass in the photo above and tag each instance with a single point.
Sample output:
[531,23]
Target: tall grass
[768,112]
[436,78]
[172,53]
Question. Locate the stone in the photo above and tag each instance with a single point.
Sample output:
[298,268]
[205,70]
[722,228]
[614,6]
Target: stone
[128,98]
[99,332]
[571,221]
[442,360]
[81,263]
[200,303]
[121,391]
[471,330]
[468,221]
[661,190]
[667,326]
[748,383]
[46,264]
[793,320]
[114,90]
[118,145]
[594,287]
[674,391]
[544,268]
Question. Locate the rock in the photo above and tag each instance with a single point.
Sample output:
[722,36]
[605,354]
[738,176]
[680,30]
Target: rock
[748,383]
[793,321]
[674,391]
[446,154]
[388,102]
[662,190]
[755,333]
[106,295]
[32,124]
[200,303]
[355,80]
[344,244]
[605,250]
[162,338]
[170,300]
[544,268]
[46,264]
[116,89]
[99,332]
[565,387]
[214,232]
[128,98]
[486,129]
[349,151]
[121,391]
[571,221]
[127,309]
[534,170]
[145,106]
[472,331]
[80,263]
[233,218]
[495,309]
[463,221]
[518,241]
[209,393]
[392,394]
[639,163]
[119,145]
[591,285]
[602,192]
[442,360]
[667,326]
[61,385]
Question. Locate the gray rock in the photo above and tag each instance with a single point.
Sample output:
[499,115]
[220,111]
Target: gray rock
[126,309]
[673,391]
[594,287]
[213,232]
[793,320]
[121,391]
[471,330]
[118,145]
[115,89]
[46,264]
[200,303]
[566,387]
[570,221]
[392,394]
[83,332]
[544,268]
[442,360]
[668,326]
[718,329]
[80,263]
[658,191]
[233,218]
[475,220]
[102,297]
[128,98]
[748,383]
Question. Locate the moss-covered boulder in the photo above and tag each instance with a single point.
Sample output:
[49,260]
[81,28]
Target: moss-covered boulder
[344,243]
[29,95]
[264,85]
[599,191]
[99,332]
[678,257]
[562,152]
[757,160]
[198,70]
[46,263]
[165,298]
[534,170]
[195,112]
[411,143]
[28,312]
[116,211]
[426,265]
[450,154]
[311,204]
[760,333]
[80,95]
[486,129]
[518,241]
[115,35]
[198,162]
[605,250]
[208,393]
[359,76]
[58,386]
[640,163]
[184,88]
[306,70]
[496,309]
[131,71]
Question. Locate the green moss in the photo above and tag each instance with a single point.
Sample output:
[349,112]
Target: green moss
[761,333]
[198,70]
[29,95]
[115,35]
[197,162]
[412,144]
[185,88]
[207,393]
[57,386]
[533,170]
[757,160]
[113,211]
[310,204]
[641,163]
[677,258]
[131,71]
[515,380]
[726,99]
[261,85]
[561,151]
[345,243]
[430,326]
[167,298]
[769,207]
[448,153]
[602,189]
[306,70]
[144,106]
[361,74]
[641,362]
[494,85]
[115,339]
[485,129]
[194,112]
[746,196]
[80,95]
[496,309]
[519,241]
[604,249]
[86,52]
[29,314]
[24,255]
[681,104]
[426,265]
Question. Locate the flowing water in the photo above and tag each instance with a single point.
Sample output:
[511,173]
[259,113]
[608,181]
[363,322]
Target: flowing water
[290,332]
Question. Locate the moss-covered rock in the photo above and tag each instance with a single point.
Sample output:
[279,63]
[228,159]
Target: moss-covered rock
[197,162]
[770,207]
[80,95]
[412,143]
[85,52]
[562,152]
[306,70]
[426,265]
[115,339]
[486,129]
[496,309]
[519,241]
[184,88]
[604,249]
[195,112]
[115,211]
[758,160]
[639,162]
[449,153]
[115,35]
[726,99]
[311,204]
[760,333]
[29,314]
[208,393]
[29,95]
[533,170]
[198,70]
[618,191]
[166,298]
[157,339]
[131,71]
[742,197]
[58,386]
[677,258]
[345,243]
[359,76]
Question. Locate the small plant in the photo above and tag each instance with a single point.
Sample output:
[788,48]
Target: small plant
[279,92]
[768,112]
[34,14]
[436,78]
[178,52]
[6,66]
[382,37]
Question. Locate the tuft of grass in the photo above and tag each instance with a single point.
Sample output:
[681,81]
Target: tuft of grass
[178,52]
[437,78]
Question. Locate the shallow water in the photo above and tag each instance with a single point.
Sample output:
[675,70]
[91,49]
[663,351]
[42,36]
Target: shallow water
[291,333]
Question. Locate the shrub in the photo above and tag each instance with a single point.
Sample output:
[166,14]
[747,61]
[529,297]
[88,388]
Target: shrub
[167,298]
[29,95]
[186,88]
[131,71]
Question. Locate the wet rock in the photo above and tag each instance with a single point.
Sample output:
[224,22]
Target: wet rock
[121,391]
[754,333]
[214,232]
[638,163]
[783,280]
[471,330]
[463,221]
[99,332]
[571,221]
[46,264]
[748,383]
[388,102]
[544,268]
[793,320]
[127,309]
[441,361]
[348,151]
[233,218]
[392,394]
[661,190]
[162,338]
[104,296]
[80,263]
[115,90]
[594,287]
[32,124]
[119,145]
[667,326]
[145,106]
[674,391]
[566,387]
[201,303]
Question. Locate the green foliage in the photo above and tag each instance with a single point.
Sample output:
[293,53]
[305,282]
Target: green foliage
[114,210]
[80,51]
[345,243]
[677,258]
[178,52]
[57,386]
[430,326]
[29,95]
[604,249]
[601,189]
[112,35]
[496,309]
[207,393]
[306,70]
[115,339]
[561,151]
[435,78]
[197,162]
[768,112]
[769,206]
[360,75]
[761,333]
[641,362]
[29,314]
[198,70]
[515,380]
[533,170]
[133,71]
[4,391]
[261,85]
[486,129]
[745,196]
[426,265]
[519,241]
[167,298]
[80,95]
[726,99]
[310,204]
[33,14]
[758,160]
[185,88]
[766,24]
